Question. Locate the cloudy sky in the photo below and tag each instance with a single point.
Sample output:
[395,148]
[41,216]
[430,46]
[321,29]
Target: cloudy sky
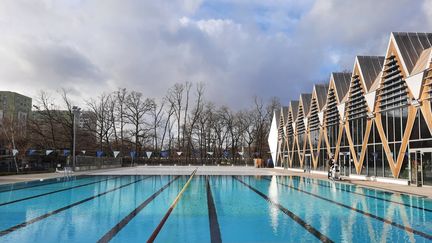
[238,48]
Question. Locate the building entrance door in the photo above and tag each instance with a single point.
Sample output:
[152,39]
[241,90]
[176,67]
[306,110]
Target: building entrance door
[421,166]
[344,163]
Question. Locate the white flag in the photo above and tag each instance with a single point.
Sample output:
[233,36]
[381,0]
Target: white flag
[14,152]
[48,152]
[116,153]
[179,153]
[83,151]
[149,153]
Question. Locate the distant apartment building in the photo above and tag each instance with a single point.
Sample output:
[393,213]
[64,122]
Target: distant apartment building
[14,108]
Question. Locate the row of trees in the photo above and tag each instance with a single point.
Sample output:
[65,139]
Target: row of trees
[183,120]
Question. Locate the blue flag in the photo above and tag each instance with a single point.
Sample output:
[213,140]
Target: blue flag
[196,152]
[99,153]
[132,154]
[225,153]
[164,153]
[66,152]
[32,151]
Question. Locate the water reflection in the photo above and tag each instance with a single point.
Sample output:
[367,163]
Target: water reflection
[273,195]
[353,211]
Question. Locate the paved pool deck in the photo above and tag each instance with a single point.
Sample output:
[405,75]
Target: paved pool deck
[425,191]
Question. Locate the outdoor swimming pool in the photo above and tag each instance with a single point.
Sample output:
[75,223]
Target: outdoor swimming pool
[211,209]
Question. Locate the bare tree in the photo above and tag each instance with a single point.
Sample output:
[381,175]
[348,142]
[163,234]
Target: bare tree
[136,110]
[220,129]
[196,113]
[182,120]
[43,122]
[156,112]
[12,129]
[66,120]
[175,98]
[250,130]
[100,119]
[187,87]
[167,128]
[121,95]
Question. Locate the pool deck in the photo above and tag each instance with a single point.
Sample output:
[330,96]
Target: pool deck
[425,191]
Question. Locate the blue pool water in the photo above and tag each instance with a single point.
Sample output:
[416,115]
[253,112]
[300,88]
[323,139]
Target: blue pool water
[211,209]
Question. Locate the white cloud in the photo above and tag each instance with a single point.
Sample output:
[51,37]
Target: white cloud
[427,6]
[192,5]
[216,27]
[184,21]
[238,48]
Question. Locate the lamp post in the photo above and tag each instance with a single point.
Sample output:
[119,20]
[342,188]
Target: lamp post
[76,111]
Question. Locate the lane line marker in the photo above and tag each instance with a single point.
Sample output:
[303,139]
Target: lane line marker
[44,216]
[171,208]
[406,228]
[361,194]
[51,181]
[52,192]
[215,234]
[297,219]
[120,225]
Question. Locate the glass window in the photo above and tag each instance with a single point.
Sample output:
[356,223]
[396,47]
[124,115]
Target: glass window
[364,121]
[356,131]
[387,170]
[371,134]
[390,126]
[379,160]
[424,129]
[398,123]
[371,160]
[415,132]
[396,150]
[359,129]
[314,135]
[296,160]
[344,139]
[377,137]
[324,156]
[364,168]
[404,172]
[404,116]
[308,148]
[384,122]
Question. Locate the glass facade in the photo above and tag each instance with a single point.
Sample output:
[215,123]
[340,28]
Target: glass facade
[379,99]
[314,131]
[301,136]
[332,120]
[290,136]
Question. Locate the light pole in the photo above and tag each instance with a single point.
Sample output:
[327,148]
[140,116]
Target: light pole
[76,111]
